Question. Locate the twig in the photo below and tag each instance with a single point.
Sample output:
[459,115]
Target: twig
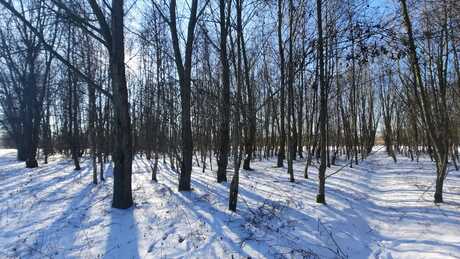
[339,252]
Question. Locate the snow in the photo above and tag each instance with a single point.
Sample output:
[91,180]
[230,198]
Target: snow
[377,209]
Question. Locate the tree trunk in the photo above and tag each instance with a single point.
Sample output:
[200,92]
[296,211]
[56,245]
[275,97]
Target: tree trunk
[321,198]
[30,138]
[184,71]
[250,124]
[290,122]
[233,192]
[91,122]
[122,153]
[224,130]
[436,121]
[282,137]
[441,170]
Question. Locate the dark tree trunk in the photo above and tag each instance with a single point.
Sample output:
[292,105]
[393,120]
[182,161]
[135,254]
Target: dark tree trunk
[290,120]
[441,170]
[282,137]
[91,121]
[184,71]
[233,191]
[321,198]
[75,136]
[122,153]
[155,168]
[224,131]
[30,132]
[250,124]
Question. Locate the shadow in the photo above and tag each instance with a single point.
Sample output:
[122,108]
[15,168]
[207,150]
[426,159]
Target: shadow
[376,209]
[66,201]
[123,238]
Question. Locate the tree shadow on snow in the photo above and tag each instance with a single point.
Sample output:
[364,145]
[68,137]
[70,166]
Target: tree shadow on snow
[122,241]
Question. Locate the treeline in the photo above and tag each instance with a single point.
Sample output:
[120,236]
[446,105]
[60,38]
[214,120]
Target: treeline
[229,81]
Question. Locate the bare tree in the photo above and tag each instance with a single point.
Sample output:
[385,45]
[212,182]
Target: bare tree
[320,198]
[224,132]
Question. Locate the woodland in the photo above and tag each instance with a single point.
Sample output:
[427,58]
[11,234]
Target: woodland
[231,90]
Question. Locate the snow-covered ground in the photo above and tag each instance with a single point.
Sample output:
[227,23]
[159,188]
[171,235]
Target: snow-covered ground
[375,210]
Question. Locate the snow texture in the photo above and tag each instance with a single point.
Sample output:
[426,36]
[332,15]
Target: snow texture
[377,209]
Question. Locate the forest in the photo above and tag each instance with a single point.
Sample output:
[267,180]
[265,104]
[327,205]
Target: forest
[247,128]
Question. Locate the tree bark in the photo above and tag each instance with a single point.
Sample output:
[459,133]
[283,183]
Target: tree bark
[184,71]
[282,137]
[122,153]
[224,131]
[321,198]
